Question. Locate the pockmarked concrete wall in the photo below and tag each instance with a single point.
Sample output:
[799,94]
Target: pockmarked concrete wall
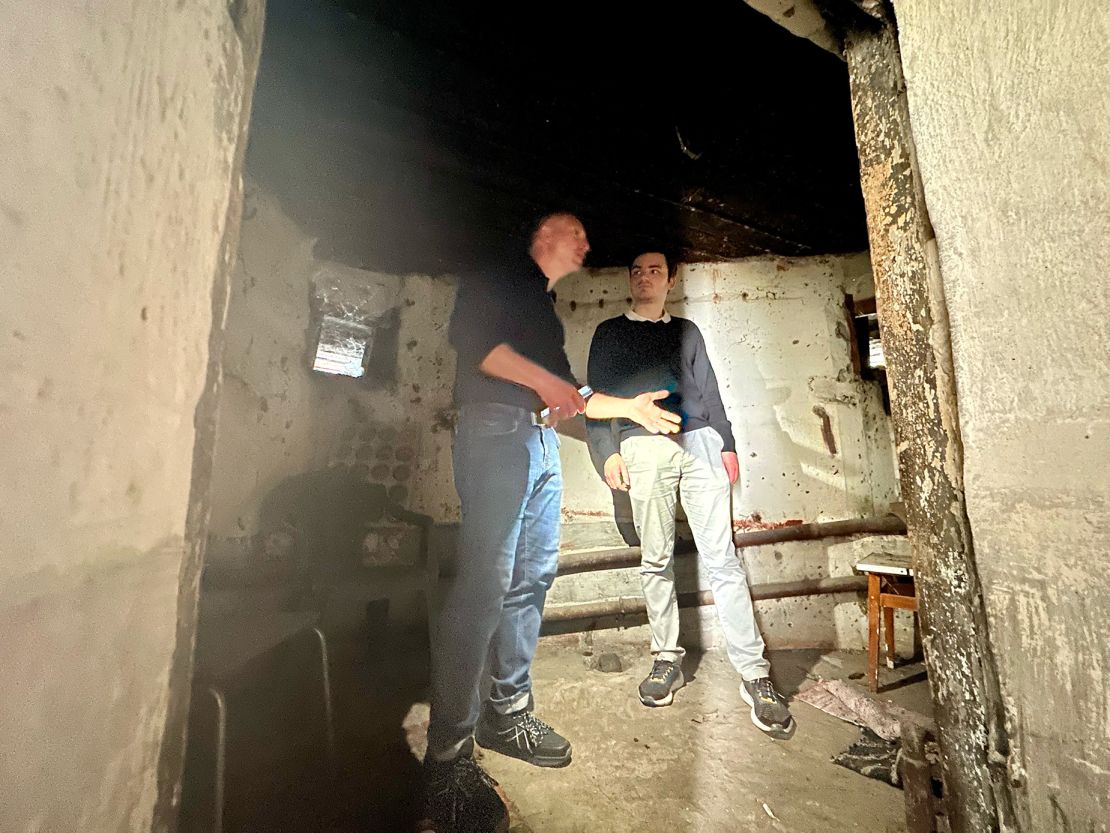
[120,124]
[1011,121]
[813,440]
[279,419]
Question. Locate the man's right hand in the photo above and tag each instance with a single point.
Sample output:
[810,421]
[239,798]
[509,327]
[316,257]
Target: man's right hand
[562,398]
[616,473]
[643,410]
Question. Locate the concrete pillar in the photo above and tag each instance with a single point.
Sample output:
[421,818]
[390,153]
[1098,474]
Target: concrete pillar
[916,341]
[123,125]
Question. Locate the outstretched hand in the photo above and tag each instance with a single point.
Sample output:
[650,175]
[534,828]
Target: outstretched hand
[645,412]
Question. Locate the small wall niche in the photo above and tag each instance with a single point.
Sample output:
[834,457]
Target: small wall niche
[354,324]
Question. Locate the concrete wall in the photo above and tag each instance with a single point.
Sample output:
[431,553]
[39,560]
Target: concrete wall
[778,336]
[1010,118]
[279,419]
[121,128]
[282,428]
[776,330]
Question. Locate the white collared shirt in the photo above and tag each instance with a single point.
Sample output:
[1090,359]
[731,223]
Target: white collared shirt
[632,315]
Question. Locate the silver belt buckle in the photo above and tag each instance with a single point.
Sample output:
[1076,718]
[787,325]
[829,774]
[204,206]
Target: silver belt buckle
[540,419]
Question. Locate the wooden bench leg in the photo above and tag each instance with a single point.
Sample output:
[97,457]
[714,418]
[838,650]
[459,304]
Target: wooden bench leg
[873,631]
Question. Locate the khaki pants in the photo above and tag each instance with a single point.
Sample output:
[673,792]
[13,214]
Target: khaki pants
[657,467]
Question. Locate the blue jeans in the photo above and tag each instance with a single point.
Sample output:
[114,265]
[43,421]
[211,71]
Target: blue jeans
[510,485]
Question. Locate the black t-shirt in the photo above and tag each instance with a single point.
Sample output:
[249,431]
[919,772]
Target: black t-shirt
[507,304]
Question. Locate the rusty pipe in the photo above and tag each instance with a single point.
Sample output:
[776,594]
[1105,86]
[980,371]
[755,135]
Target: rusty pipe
[627,605]
[889,524]
[617,558]
[613,559]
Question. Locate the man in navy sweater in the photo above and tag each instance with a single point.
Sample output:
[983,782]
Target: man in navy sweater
[649,349]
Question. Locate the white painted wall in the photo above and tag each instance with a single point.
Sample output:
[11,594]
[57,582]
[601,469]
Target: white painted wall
[279,419]
[1011,120]
[119,124]
[778,337]
[776,331]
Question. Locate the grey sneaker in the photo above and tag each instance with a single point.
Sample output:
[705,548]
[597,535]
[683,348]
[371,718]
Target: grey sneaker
[659,686]
[522,735]
[460,797]
[769,710]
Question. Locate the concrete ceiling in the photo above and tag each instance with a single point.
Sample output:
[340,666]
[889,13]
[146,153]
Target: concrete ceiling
[414,135]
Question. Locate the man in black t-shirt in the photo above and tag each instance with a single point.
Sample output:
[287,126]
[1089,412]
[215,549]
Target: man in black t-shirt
[647,348]
[511,364]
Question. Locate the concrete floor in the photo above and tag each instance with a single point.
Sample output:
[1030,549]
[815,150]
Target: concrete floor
[697,765]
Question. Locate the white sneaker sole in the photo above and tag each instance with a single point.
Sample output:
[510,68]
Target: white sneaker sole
[777,732]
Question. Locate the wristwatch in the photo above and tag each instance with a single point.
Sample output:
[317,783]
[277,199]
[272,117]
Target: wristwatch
[541,417]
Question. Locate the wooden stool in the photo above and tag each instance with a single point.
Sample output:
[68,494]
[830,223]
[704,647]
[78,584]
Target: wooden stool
[889,586]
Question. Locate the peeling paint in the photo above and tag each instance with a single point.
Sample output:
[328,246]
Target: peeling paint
[755,522]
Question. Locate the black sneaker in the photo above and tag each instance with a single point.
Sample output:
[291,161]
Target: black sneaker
[522,735]
[659,686]
[460,797]
[769,710]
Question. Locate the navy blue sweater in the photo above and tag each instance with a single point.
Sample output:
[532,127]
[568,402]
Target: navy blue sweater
[630,357]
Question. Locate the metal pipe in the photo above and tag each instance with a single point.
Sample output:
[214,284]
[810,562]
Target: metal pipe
[613,559]
[619,557]
[627,605]
[879,525]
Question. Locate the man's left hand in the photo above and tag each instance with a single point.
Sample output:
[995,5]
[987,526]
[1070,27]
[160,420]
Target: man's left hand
[644,411]
[732,466]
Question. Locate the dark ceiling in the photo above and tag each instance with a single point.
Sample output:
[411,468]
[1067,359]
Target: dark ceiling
[412,135]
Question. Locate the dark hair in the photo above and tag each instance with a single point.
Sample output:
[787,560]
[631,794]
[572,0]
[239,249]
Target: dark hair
[672,262]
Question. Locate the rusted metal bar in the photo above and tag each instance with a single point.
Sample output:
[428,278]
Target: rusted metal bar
[917,779]
[613,559]
[628,605]
[881,525]
[618,557]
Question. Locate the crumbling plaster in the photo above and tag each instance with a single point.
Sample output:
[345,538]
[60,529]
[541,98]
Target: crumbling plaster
[802,18]
[778,336]
[1009,115]
[121,126]
[279,419]
[776,329]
